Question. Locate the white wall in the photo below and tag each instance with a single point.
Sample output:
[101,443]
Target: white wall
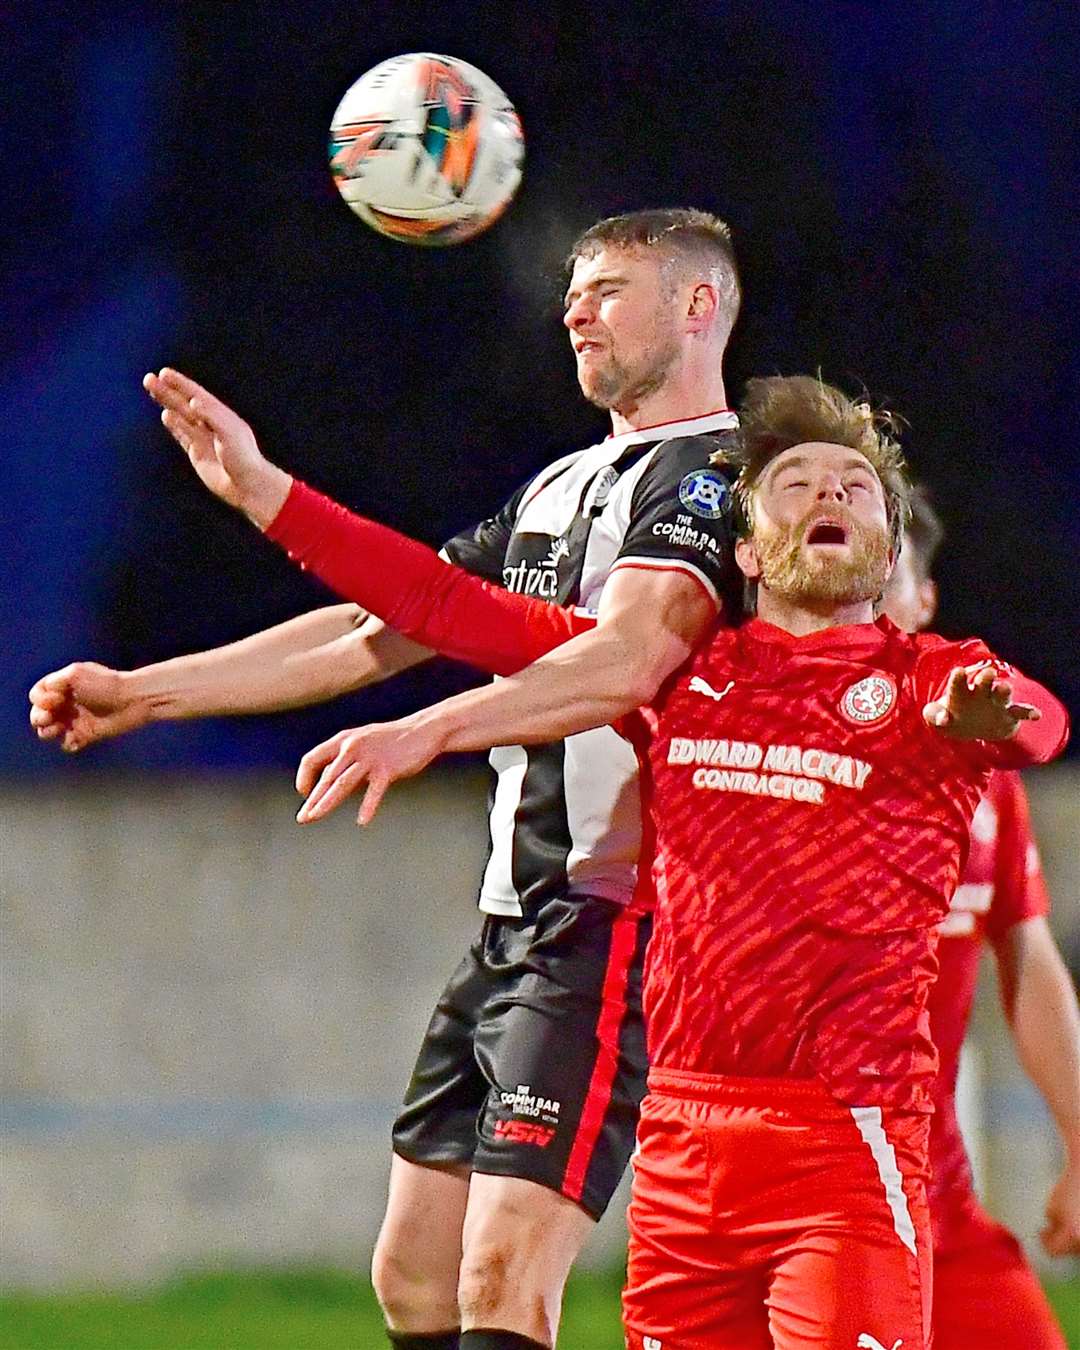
[208,1015]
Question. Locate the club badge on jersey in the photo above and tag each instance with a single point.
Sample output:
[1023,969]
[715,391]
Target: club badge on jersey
[869,700]
[703,493]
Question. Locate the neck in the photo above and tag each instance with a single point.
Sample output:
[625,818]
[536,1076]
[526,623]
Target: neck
[694,389]
[800,617]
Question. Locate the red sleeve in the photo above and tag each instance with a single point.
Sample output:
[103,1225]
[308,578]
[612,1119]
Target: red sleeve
[1019,886]
[1034,743]
[408,586]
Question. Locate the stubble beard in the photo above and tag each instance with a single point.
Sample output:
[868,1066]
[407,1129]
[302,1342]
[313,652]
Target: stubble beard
[820,581]
[621,387]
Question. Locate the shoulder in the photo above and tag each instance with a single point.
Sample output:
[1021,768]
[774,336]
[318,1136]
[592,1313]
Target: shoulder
[554,470]
[928,653]
[707,450]
[935,656]
[685,471]
[933,644]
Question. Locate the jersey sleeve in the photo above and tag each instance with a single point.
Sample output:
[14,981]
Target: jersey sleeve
[681,518]
[1035,742]
[1019,886]
[412,589]
[482,550]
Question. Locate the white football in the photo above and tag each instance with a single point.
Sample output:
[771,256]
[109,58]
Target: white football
[426,149]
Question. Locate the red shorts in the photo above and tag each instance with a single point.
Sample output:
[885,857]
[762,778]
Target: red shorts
[765,1215]
[985,1293]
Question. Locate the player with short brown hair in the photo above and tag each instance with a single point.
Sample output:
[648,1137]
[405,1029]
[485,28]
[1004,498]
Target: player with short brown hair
[520,1113]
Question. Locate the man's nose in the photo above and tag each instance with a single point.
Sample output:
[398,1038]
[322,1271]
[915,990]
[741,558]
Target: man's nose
[578,314]
[831,489]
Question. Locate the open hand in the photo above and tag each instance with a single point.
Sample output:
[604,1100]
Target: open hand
[375,755]
[220,445]
[976,705]
[84,703]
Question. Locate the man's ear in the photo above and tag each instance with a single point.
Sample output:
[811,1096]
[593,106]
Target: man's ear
[928,601]
[747,559]
[702,306]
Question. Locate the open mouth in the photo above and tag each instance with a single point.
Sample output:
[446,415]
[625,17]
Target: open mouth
[827,532]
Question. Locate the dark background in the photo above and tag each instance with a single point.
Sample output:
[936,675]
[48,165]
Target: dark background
[901,180]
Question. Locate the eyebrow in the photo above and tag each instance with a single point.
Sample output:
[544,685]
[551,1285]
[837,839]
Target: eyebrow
[800,461]
[604,278]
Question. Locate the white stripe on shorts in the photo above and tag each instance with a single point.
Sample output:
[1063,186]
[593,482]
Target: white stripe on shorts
[868,1121]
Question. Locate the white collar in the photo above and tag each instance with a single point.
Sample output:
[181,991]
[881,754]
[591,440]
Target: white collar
[724,420]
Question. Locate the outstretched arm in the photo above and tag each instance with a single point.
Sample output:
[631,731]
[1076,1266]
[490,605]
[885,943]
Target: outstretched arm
[1009,719]
[649,622]
[651,616]
[1040,1006]
[406,584]
[310,659]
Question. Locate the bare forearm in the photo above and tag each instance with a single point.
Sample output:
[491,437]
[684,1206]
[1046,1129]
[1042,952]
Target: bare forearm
[1045,1021]
[591,681]
[310,659]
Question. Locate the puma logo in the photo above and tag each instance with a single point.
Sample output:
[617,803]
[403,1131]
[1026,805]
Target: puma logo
[868,1342]
[699,686]
[652,1343]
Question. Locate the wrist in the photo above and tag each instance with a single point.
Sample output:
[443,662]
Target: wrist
[437,727]
[136,694]
[265,495]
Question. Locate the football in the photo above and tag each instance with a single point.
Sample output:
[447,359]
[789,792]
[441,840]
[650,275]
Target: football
[426,149]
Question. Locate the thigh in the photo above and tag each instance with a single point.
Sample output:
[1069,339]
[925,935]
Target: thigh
[689,1283]
[447,1091]
[846,1289]
[519,1242]
[562,1046]
[674,1300]
[985,1293]
[425,1214]
[858,1271]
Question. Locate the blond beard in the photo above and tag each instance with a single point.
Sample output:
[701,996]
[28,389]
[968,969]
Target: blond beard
[789,572]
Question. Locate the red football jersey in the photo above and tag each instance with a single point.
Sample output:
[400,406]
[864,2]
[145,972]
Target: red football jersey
[1002,886]
[809,830]
[806,826]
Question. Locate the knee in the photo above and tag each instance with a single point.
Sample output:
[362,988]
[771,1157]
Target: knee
[404,1292]
[493,1285]
[390,1278]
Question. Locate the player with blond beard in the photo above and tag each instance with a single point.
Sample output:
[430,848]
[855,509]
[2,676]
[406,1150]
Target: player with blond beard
[985,1293]
[810,778]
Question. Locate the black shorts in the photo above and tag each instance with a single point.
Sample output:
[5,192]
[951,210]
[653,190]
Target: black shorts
[533,1064]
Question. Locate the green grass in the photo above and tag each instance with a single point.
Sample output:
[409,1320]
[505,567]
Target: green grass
[299,1310]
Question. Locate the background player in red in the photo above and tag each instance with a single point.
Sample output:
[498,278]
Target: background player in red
[985,1293]
[811,776]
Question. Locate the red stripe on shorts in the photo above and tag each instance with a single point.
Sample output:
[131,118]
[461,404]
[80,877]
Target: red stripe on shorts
[624,936]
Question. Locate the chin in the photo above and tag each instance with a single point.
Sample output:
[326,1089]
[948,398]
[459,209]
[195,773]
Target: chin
[598,394]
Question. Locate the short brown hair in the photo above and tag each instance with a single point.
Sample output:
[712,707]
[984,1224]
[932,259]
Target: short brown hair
[679,232]
[781,411]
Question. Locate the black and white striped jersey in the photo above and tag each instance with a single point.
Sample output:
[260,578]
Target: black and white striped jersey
[565,817]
